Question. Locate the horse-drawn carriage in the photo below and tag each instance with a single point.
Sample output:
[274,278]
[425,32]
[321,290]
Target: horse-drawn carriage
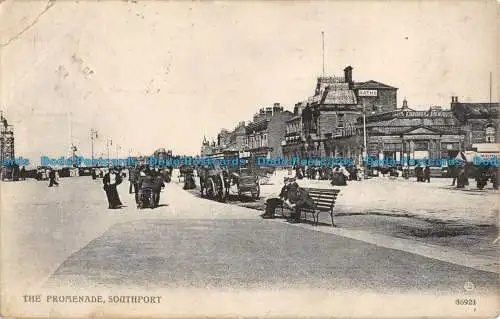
[220,181]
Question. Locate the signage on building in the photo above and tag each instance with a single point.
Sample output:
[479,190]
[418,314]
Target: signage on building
[245,154]
[367,93]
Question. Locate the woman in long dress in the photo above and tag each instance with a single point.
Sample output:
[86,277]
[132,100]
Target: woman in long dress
[110,181]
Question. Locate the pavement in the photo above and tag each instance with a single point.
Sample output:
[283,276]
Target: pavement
[255,254]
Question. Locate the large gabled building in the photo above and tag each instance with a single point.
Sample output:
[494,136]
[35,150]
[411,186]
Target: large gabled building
[337,104]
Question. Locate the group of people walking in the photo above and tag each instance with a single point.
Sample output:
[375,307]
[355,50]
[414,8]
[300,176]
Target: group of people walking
[139,178]
[326,172]
[423,173]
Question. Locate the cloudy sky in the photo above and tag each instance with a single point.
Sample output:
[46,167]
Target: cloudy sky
[163,74]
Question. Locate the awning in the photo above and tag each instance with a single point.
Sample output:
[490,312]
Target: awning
[487,147]
[476,157]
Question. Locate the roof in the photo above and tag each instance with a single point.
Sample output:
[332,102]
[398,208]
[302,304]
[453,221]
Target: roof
[293,118]
[258,125]
[373,85]
[339,96]
[465,111]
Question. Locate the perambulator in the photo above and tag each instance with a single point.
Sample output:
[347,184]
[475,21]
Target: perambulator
[145,197]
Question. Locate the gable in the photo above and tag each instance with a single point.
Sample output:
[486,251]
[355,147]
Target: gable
[422,130]
[372,85]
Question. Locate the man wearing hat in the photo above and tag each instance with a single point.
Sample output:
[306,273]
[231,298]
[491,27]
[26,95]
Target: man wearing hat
[273,202]
[298,198]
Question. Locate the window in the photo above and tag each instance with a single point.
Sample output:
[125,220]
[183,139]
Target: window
[421,146]
[340,120]
[445,146]
[490,134]
[392,147]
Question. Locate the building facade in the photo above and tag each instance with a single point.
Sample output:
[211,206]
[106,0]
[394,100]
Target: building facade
[6,149]
[337,105]
[260,137]
[480,121]
[403,133]
[265,133]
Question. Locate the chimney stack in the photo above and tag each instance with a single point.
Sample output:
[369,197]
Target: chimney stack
[277,108]
[269,111]
[348,75]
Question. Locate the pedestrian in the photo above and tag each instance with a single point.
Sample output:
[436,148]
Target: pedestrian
[494,176]
[52,178]
[340,175]
[111,180]
[417,172]
[299,173]
[22,173]
[353,174]
[189,182]
[132,178]
[157,185]
[463,176]
[453,173]
[427,174]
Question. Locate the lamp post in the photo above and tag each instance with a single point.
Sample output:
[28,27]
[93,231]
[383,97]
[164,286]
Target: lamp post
[108,144]
[93,135]
[118,148]
[365,150]
[73,152]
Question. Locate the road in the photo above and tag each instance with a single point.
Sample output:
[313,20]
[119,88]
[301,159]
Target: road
[66,235]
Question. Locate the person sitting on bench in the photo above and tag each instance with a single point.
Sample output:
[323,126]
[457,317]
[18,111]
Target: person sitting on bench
[273,201]
[297,199]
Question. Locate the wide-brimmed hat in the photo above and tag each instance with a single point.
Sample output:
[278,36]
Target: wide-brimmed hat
[289,179]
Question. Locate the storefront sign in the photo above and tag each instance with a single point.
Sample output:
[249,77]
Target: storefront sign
[367,92]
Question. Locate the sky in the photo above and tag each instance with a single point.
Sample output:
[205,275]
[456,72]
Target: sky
[164,74]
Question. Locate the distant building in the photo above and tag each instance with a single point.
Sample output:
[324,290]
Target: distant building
[337,104]
[162,154]
[6,149]
[480,121]
[207,148]
[404,132]
[261,137]
[293,143]
[265,133]
[235,141]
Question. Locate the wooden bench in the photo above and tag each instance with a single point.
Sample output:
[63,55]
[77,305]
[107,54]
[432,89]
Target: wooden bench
[324,198]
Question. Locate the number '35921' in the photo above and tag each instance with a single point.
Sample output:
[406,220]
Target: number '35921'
[465,302]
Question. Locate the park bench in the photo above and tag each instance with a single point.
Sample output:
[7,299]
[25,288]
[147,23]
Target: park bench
[324,200]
